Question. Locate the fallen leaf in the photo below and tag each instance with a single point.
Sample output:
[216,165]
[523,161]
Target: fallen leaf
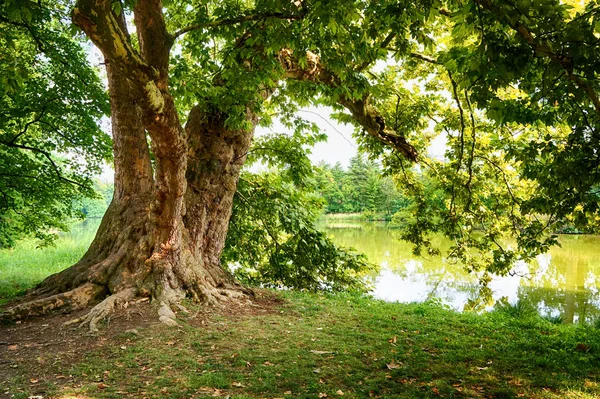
[320,352]
[171,343]
[322,395]
[268,363]
[237,384]
[317,370]
[436,391]
[582,348]
[393,340]
[34,380]
[482,368]
[12,347]
[102,385]
[287,393]
[339,392]
[393,365]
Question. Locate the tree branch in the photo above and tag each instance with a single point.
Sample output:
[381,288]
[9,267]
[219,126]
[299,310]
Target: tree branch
[99,23]
[425,58]
[367,116]
[46,155]
[383,44]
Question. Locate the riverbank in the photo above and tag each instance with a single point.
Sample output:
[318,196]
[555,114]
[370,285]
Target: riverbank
[357,217]
[297,345]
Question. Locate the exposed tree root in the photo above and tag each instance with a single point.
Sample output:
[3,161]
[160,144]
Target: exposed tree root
[77,298]
[166,315]
[104,308]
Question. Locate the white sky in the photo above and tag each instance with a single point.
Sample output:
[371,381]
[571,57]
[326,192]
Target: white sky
[340,145]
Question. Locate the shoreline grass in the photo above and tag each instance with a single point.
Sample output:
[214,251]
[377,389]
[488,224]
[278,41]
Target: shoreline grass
[25,265]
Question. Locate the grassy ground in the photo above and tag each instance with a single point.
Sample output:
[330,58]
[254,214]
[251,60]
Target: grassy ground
[298,346]
[25,265]
[325,346]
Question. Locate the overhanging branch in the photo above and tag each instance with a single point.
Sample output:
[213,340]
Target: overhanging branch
[565,62]
[46,155]
[365,114]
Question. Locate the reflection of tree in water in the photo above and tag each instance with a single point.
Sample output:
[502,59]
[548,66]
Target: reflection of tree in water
[564,282]
[415,278]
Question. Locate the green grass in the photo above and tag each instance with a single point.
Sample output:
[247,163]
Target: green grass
[315,345]
[343,216]
[25,265]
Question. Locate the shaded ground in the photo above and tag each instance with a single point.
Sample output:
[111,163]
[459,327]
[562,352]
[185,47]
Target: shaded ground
[302,346]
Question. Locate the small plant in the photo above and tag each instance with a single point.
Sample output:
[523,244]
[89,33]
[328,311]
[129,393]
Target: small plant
[558,319]
[519,309]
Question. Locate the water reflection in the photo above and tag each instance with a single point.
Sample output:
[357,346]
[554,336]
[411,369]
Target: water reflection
[564,282]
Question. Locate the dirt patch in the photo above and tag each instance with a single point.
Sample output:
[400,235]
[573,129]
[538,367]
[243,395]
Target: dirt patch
[36,351]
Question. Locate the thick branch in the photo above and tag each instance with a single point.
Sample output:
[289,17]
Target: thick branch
[101,26]
[545,50]
[366,115]
[154,40]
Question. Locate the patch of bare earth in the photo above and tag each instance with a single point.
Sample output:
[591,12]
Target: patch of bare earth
[37,353]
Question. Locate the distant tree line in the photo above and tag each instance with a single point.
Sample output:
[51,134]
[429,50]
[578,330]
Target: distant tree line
[95,206]
[361,188]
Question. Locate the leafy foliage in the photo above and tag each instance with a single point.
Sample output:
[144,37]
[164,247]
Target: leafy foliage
[272,239]
[51,102]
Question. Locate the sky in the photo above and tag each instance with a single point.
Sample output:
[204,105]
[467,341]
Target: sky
[340,145]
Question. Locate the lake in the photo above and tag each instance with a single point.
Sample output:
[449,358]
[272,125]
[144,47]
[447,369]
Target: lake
[564,282]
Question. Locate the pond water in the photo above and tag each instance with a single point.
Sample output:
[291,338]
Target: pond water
[564,282]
